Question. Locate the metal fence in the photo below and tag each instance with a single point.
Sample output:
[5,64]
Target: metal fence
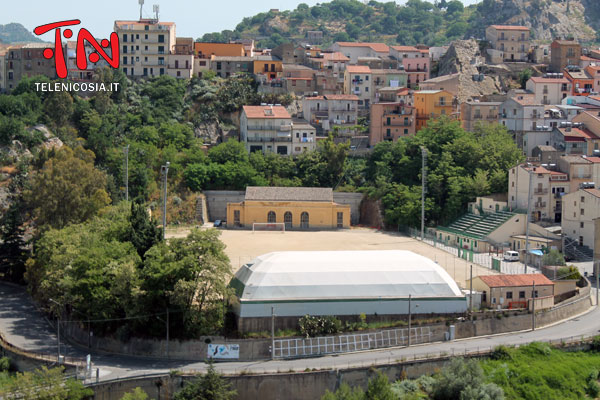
[496,263]
[306,347]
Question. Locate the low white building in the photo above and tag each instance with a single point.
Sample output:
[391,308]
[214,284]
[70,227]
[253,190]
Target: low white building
[266,128]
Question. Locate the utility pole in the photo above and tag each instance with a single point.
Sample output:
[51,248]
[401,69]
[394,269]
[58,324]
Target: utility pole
[528,218]
[126,151]
[596,271]
[533,296]
[409,317]
[272,333]
[167,333]
[165,171]
[471,294]
[423,189]
[58,331]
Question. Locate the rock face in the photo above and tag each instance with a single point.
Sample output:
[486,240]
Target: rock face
[210,133]
[462,58]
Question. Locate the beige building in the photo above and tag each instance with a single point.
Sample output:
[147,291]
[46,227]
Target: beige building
[563,53]
[266,128]
[549,90]
[358,82]
[512,41]
[391,121]
[449,83]
[514,291]
[296,207]
[331,110]
[581,208]
[476,112]
[304,137]
[145,46]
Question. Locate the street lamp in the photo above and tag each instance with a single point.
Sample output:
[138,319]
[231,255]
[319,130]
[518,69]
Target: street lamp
[165,171]
[58,330]
[531,170]
[423,189]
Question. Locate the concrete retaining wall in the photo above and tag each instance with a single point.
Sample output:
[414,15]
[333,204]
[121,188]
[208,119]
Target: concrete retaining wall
[353,200]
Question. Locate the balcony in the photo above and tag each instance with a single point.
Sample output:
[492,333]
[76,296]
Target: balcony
[357,81]
[477,116]
[413,69]
[263,139]
[342,109]
[540,191]
[557,209]
[270,128]
[540,204]
[442,104]
[492,116]
[402,111]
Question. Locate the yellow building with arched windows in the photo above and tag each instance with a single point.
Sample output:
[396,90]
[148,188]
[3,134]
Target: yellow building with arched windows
[296,207]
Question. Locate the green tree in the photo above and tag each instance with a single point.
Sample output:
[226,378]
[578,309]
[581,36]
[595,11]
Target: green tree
[45,384]
[553,257]
[345,392]
[143,232]
[13,253]
[524,77]
[210,386]
[58,106]
[464,380]
[135,394]
[68,189]
[379,388]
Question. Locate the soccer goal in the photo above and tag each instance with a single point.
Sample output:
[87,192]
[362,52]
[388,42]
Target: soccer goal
[268,227]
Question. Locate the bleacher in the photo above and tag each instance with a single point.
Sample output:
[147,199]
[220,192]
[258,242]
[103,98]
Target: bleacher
[478,226]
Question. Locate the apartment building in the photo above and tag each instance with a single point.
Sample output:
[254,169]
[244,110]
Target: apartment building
[227,66]
[266,128]
[520,114]
[450,83]
[145,46]
[181,59]
[336,62]
[416,63]
[581,208]
[511,40]
[208,50]
[582,83]
[381,78]
[547,187]
[564,53]
[431,104]
[574,140]
[354,50]
[304,136]
[268,67]
[478,112]
[594,73]
[395,95]
[331,110]
[357,81]
[25,60]
[391,121]
[2,70]
[548,90]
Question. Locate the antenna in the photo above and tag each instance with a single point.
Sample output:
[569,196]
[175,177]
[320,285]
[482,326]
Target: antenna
[156,9]
[141,3]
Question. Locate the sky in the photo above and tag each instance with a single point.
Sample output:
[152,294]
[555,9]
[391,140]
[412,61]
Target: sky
[193,18]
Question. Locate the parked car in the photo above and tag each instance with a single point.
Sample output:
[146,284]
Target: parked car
[511,255]
[218,223]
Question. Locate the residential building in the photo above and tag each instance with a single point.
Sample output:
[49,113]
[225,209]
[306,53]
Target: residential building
[541,54]
[379,62]
[74,73]
[547,185]
[431,104]
[201,65]
[581,208]
[590,122]
[564,53]
[394,95]
[511,40]
[357,81]
[145,46]
[25,60]
[354,50]
[582,83]
[381,78]
[594,72]
[335,62]
[515,291]
[521,114]
[296,207]
[227,66]
[476,112]
[574,140]
[545,154]
[266,128]
[579,169]
[548,90]
[331,110]
[2,70]
[268,67]
[416,63]
[304,137]
[181,59]
[391,121]
[450,83]
[207,50]
[314,37]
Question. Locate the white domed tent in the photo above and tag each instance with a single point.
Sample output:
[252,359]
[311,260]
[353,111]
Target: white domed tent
[341,283]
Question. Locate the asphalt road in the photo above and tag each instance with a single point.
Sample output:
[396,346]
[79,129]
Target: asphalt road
[24,326]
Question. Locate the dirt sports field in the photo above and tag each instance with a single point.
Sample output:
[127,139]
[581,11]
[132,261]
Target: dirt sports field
[243,246]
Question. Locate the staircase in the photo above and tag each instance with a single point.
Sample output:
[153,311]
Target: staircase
[201,213]
[478,226]
[575,252]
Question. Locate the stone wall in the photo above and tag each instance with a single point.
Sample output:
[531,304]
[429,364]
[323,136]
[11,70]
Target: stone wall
[353,200]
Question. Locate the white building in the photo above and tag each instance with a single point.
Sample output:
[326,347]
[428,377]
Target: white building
[355,50]
[266,128]
[330,110]
[145,46]
[358,82]
[520,114]
[548,90]
[304,137]
[343,283]
[580,210]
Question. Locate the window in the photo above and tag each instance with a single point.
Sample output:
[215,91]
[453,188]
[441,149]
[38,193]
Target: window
[509,296]
[137,36]
[581,225]
[161,38]
[406,131]
[124,38]
[535,293]
[522,294]
[581,211]
[287,217]
[304,220]
[271,217]
[236,217]
[124,49]
[582,199]
[340,219]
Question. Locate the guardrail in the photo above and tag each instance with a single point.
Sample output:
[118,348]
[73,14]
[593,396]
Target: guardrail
[43,357]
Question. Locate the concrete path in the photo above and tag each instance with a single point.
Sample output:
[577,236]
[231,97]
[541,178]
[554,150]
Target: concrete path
[24,326]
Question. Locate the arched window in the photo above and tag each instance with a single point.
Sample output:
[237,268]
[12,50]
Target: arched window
[271,217]
[304,220]
[287,219]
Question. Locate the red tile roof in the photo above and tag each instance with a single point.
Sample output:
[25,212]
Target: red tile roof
[266,112]
[341,97]
[510,27]
[335,56]
[586,58]
[538,79]
[515,280]
[526,100]
[377,47]
[405,48]
[593,159]
[358,69]
[593,192]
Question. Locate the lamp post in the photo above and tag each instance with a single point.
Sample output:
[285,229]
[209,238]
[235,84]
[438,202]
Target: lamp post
[58,330]
[423,189]
[167,326]
[165,171]
[126,151]
[528,217]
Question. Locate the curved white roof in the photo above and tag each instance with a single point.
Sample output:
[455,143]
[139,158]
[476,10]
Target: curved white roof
[305,275]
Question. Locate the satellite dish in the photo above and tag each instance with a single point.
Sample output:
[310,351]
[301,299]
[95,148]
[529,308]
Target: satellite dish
[141,2]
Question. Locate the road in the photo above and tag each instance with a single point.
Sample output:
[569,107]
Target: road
[24,326]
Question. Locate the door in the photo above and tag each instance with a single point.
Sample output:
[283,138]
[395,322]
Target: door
[340,219]
[304,220]
[287,219]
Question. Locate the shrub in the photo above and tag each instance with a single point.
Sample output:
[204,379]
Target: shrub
[4,364]
[311,326]
[592,389]
[501,353]
[595,343]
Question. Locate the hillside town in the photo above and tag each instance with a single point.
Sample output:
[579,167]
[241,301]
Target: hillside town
[303,215]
